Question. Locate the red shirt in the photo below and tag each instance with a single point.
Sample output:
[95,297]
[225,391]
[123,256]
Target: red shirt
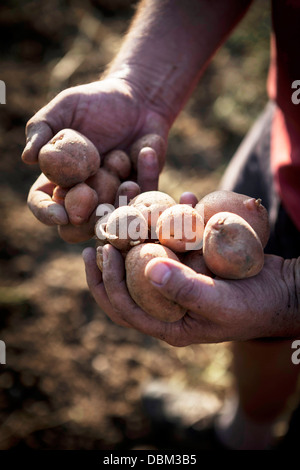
[284,70]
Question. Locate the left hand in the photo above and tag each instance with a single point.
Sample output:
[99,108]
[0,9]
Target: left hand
[217,310]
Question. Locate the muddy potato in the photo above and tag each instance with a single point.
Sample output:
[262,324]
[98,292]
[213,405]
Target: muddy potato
[250,209]
[80,202]
[140,288]
[105,184]
[231,248]
[118,162]
[180,228]
[78,233]
[195,260]
[154,141]
[152,204]
[68,158]
[124,228]
[126,192]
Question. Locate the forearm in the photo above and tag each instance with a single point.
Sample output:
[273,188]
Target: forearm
[168,46]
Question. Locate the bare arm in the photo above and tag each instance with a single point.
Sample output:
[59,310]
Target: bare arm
[162,57]
[169,44]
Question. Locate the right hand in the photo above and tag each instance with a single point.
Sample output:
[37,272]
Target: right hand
[112,114]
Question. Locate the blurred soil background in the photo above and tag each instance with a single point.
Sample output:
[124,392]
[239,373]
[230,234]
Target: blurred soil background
[72,378]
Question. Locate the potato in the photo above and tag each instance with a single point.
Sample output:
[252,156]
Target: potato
[152,204]
[78,233]
[250,209]
[231,248]
[80,202]
[124,228]
[180,228]
[69,158]
[154,141]
[195,260]
[118,162]
[105,184]
[126,192]
[140,288]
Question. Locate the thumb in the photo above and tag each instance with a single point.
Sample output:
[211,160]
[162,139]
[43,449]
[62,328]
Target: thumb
[148,157]
[46,123]
[38,133]
[179,283]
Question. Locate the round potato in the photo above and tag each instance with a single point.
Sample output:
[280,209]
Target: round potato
[118,162]
[140,288]
[152,204]
[69,158]
[80,201]
[78,233]
[250,209]
[124,228]
[231,248]
[180,228]
[106,185]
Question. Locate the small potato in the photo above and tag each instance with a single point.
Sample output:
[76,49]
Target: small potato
[126,192]
[154,141]
[80,233]
[140,288]
[195,260]
[105,184]
[152,204]
[124,228]
[118,162]
[69,158]
[180,228]
[250,209]
[80,202]
[231,248]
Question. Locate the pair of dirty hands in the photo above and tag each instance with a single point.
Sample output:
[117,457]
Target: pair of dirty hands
[113,114]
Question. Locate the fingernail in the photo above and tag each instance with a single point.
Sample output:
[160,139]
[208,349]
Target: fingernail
[28,145]
[149,156]
[58,214]
[159,274]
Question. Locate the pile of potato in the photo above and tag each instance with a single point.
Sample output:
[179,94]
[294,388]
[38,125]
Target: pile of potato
[73,164]
[224,235]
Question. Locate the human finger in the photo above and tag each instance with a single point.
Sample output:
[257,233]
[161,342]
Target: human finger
[148,169]
[96,286]
[41,204]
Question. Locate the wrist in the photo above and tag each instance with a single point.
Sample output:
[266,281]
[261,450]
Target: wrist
[150,85]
